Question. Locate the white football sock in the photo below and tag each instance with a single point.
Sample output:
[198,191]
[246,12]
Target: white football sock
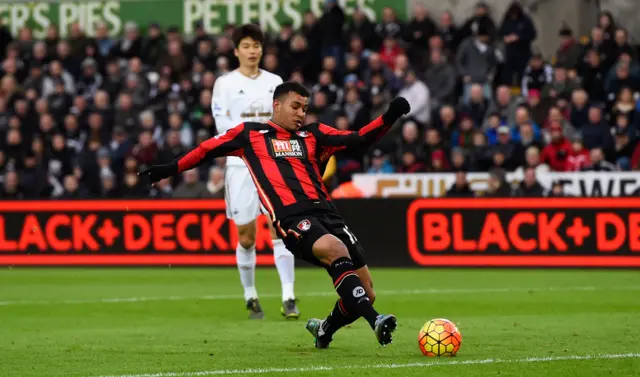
[285,263]
[246,260]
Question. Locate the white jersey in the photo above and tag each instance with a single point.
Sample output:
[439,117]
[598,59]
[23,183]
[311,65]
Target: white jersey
[238,98]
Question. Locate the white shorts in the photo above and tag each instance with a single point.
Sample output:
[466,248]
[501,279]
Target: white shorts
[241,196]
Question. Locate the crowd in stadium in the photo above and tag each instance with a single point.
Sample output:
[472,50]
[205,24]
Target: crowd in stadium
[79,116]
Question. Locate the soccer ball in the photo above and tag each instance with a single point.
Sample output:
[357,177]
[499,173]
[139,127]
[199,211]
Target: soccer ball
[439,337]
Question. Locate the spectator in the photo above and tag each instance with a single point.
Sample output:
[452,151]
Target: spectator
[505,105]
[477,104]
[533,161]
[530,187]
[518,32]
[607,25]
[498,186]
[418,96]
[522,118]
[556,152]
[562,86]
[578,158]
[460,188]
[595,134]
[72,189]
[557,190]
[108,185]
[623,146]
[440,79]
[476,62]
[481,152]
[556,116]
[11,189]
[579,108]
[133,187]
[622,45]
[362,26]
[538,109]
[449,32]
[191,187]
[390,26]
[622,78]
[463,137]
[481,19]
[215,184]
[459,160]
[537,74]
[512,152]
[569,53]
[598,162]
[410,163]
[162,189]
[602,47]
[439,163]
[491,127]
[380,163]
[593,75]
[622,125]
[624,106]
[409,140]
[331,25]
[417,33]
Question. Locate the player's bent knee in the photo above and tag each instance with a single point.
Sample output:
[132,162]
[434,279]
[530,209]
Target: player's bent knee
[328,248]
[247,235]
[371,294]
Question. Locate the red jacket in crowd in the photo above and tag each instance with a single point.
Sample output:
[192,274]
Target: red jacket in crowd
[578,160]
[388,55]
[556,155]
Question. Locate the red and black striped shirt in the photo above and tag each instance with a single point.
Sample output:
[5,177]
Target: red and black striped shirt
[285,166]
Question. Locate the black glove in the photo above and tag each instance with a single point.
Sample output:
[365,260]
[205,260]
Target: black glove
[397,108]
[159,172]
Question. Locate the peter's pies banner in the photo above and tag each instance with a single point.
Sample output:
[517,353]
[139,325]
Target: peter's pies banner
[572,232]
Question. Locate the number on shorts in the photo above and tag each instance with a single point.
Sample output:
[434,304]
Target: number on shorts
[352,238]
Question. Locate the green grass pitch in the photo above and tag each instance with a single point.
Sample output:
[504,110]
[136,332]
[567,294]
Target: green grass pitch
[192,322]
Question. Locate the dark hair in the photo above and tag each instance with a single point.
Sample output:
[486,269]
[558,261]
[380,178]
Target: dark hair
[290,86]
[247,31]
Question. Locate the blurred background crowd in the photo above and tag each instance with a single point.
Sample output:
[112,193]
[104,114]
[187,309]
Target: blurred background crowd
[79,116]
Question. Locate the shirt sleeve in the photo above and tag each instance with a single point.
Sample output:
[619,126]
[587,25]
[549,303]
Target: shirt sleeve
[229,143]
[332,139]
[220,106]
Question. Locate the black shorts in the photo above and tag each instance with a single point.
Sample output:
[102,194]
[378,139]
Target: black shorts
[302,231]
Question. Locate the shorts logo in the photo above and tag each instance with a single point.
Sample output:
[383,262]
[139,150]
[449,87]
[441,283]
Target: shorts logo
[287,148]
[358,292]
[304,225]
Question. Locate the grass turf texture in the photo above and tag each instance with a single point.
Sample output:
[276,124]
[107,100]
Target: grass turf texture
[64,322]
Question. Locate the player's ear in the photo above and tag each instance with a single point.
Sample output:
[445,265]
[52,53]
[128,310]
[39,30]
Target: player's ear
[235,52]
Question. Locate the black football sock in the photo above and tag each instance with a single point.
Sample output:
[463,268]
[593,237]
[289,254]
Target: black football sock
[349,287]
[338,318]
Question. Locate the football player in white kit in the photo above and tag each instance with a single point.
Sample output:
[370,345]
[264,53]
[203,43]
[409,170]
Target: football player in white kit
[246,95]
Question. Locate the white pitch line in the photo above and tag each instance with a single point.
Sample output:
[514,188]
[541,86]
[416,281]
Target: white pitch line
[435,363]
[402,292]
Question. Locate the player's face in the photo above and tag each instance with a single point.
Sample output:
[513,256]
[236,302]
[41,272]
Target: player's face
[249,52]
[291,111]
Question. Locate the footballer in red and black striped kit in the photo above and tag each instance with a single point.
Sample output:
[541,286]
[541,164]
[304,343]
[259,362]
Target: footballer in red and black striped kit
[284,158]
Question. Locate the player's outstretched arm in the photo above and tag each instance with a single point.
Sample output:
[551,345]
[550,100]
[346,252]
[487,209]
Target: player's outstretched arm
[230,143]
[367,135]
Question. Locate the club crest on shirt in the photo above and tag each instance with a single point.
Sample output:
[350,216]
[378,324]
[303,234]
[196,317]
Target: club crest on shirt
[304,225]
[287,148]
